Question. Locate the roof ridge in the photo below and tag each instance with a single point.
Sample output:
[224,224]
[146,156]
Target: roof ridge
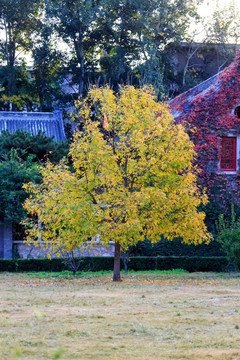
[209,80]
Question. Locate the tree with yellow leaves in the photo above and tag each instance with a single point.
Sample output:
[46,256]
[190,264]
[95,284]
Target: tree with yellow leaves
[133,178]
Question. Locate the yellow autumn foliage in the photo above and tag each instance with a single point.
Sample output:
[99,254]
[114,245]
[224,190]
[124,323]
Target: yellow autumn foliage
[133,178]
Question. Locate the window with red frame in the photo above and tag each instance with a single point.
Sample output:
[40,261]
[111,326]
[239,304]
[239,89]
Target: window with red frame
[228,161]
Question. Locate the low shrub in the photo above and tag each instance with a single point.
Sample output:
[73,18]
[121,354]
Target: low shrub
[99,263]
[175,248]
[192,263]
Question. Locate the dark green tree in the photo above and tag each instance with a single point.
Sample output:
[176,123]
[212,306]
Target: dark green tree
[120,41]
[14,172]
[168,25]
[48,69]
[75,21]
[20,157]
[135,36]
[39,146]
[19,20]
[24,96]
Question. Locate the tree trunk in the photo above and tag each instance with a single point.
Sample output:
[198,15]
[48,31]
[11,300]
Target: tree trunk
[190,54]
[116,269]
[78,44]
[41,90]
[10,53]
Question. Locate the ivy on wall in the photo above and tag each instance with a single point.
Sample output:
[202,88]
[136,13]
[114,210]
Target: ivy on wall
[208,112]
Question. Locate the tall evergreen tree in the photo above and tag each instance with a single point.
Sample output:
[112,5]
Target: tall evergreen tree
[48,66]
[19,20]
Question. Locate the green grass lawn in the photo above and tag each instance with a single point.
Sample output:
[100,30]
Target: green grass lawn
[149,315]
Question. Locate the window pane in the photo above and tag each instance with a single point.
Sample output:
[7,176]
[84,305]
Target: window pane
[228,154]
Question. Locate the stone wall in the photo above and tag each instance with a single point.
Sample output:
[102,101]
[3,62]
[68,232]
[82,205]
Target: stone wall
[29,251]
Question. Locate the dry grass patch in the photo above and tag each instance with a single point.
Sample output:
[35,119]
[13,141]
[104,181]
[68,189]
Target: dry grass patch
[146,316]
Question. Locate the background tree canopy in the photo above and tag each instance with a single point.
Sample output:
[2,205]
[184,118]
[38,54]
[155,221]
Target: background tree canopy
[78,43]
[94,42]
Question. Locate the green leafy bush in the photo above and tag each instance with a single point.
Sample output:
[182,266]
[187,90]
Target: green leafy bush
[229,237]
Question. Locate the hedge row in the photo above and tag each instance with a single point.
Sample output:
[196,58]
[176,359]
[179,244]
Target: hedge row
[176,248]
[190,264]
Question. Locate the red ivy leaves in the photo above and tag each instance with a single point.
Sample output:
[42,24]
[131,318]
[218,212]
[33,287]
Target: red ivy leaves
[209,115]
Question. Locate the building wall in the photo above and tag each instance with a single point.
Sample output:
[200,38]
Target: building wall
[5,241]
